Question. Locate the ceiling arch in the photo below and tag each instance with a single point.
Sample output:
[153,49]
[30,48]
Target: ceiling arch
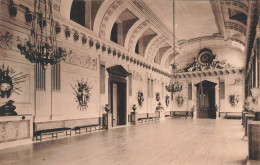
[134,34]
[151,45]
[106,16]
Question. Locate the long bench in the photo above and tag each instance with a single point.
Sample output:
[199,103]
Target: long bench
[53,128]
[180,114]
[143,118]
[153,117]
[77,128]
[50,128]
[233,115]
[53,132]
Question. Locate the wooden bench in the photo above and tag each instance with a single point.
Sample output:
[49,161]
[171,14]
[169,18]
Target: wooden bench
[168,114]
[143,118]
[77,128]
[180,114]
[65,126]
[54,132]
[153,117]
[233,115]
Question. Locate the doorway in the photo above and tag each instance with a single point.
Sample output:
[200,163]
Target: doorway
[118,103]
[206,99]
[117,94]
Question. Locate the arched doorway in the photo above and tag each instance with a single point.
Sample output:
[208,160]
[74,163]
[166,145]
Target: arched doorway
[206,99]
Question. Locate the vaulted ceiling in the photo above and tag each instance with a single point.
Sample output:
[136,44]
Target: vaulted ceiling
[205,24]
[217,25]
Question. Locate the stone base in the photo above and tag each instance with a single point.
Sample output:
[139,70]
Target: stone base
[252,162]
[254,140]
[107,121]
[134,117]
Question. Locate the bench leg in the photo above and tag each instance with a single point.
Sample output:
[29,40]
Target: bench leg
[69,132]
[77,132]
[38,138]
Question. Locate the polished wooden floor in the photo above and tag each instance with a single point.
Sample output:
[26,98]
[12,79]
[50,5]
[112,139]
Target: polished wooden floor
[173,142]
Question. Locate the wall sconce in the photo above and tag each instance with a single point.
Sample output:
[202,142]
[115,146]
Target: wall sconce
[57,28]
[109,50]
[84,40]
[67,33]
[91,43]
[123,56]
[97,46]
[28,16]
[104,48]
[114,53]
[76,37]
[12,9]
[119,54]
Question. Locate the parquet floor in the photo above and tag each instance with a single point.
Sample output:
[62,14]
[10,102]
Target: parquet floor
[173,142]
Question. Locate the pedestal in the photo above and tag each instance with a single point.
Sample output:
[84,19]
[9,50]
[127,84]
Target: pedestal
[254,140]
[14,128]
[107,121]
[247,118]
[134,117]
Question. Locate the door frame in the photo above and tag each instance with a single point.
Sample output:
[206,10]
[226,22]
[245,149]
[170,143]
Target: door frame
[208,85]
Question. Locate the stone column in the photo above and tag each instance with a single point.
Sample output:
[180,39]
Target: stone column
[254,140]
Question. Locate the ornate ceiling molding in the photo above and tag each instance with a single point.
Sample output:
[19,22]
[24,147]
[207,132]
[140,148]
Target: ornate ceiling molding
[166,55]
[235,26]
[151,16]
[157,47]
[107,16]
[131,44]
[151,45]
[236,4]
[216,36]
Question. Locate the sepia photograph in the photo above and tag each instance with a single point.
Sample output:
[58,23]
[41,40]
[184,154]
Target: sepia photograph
[129,82]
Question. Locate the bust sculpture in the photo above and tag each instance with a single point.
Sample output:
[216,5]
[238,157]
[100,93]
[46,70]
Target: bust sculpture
[8,108]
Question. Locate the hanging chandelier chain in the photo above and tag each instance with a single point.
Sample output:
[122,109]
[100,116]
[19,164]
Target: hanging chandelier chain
[174,85]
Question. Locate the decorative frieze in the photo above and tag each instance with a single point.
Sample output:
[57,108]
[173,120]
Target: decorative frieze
[137,76]
[85,61]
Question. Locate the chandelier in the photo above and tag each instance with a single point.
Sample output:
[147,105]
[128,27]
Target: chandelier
[42,46]
[174,85]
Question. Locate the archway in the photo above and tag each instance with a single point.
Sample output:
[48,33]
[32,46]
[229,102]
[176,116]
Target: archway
[206,99]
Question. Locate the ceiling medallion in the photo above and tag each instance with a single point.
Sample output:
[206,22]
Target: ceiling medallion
[205,57]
